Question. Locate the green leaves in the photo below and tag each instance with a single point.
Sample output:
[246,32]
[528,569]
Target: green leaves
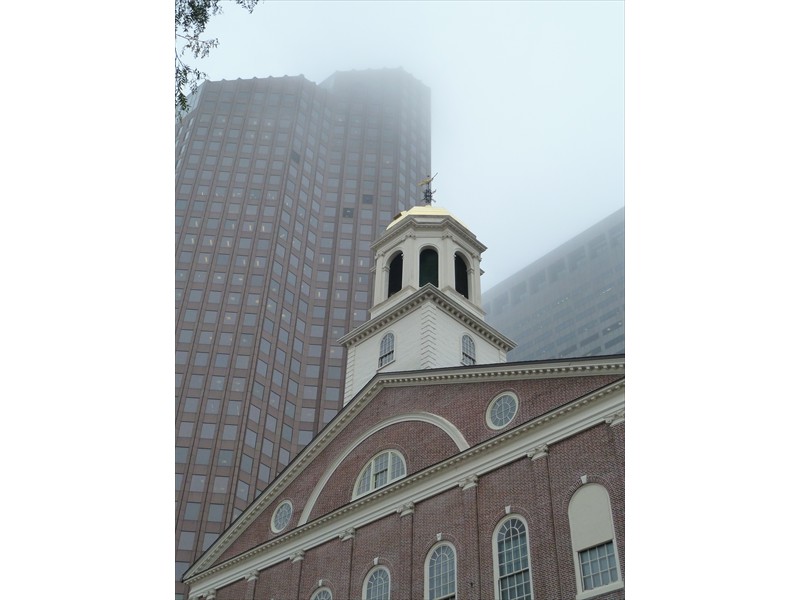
[191,18]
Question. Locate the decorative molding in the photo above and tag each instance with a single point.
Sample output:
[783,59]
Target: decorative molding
[429,293]
[210,595]
[347,534]
[297,556]
[538,452]
[407,508]
[468,482]
[203,568]
[616,418]
[251,575]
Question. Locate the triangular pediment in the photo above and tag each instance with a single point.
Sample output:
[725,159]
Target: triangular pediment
[237,545]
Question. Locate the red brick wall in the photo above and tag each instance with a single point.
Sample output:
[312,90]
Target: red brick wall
[538,490]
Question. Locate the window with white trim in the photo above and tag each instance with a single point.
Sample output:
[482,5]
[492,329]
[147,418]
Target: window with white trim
[323,594]
[387,350]
[594,544]
[502,410]
[440,573]
[376,585]
[467,350]
[281,516]
[512,568]
[382,470]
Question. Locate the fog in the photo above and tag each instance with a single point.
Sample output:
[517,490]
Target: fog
[527,101]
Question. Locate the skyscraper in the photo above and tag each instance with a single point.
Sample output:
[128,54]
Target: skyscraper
[571,301]
[281,187]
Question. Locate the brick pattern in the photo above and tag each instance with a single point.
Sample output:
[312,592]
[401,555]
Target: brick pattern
[538,490]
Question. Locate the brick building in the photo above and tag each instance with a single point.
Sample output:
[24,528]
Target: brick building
[281,186]
[446,474]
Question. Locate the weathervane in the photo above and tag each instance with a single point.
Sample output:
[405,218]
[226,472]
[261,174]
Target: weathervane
[428,197]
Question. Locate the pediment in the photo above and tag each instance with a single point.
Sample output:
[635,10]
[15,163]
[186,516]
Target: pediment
[223,551]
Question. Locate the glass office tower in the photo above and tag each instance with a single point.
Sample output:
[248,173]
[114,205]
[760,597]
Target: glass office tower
[570,302]
[281,187]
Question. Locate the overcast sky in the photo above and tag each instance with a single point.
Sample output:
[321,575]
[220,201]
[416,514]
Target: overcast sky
[527,100]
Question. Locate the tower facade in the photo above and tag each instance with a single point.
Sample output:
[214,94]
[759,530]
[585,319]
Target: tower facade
[570,302]
[281,187]
[427,309]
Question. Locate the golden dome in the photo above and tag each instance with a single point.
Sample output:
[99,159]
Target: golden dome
[422,211]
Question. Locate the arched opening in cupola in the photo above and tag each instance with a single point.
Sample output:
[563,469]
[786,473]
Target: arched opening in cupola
[462,280]
[395,274]
[429,267]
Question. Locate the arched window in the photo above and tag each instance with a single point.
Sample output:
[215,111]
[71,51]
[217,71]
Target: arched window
[594,547]
[395,274]
[428,267]
[513,573]
[376,585]
[323,594]
[467,350]
[462,282]
[382,470]
[387,350]
[440,575]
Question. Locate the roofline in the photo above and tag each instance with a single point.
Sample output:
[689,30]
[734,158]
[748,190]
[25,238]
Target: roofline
[542,369]
[402,222]
[429,292]
[463,458]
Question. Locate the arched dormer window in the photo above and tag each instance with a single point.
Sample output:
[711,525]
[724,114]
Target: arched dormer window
[387,350]
[467,350]
[462,281]
[395,274]
[382,470]
[428,267]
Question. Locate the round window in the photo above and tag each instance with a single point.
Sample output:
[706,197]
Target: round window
[502,410]
[281,516]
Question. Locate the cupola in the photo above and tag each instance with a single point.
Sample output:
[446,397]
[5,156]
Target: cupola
[426,310]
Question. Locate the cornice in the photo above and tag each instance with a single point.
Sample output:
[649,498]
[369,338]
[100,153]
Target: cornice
[461,468]
[429,293]
[537,370]
[428,222]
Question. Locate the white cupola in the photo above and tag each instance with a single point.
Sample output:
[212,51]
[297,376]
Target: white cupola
[426,310]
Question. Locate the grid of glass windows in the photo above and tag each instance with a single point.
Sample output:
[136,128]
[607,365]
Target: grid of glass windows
[598,566]
[380,471]
[502,410]
[387,350]
[251,190]
[467,350]
[280,519]
[442,573]
[377,587]
[514,580]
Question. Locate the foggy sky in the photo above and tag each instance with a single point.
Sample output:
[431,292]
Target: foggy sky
[527,101]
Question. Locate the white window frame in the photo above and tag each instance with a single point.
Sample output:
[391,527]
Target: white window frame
[591,524]
[367,579]
[428,559]
[386,354]
[272,524]
[496,557]
[467,345]
[317,595]
[494,402]
[368,471]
